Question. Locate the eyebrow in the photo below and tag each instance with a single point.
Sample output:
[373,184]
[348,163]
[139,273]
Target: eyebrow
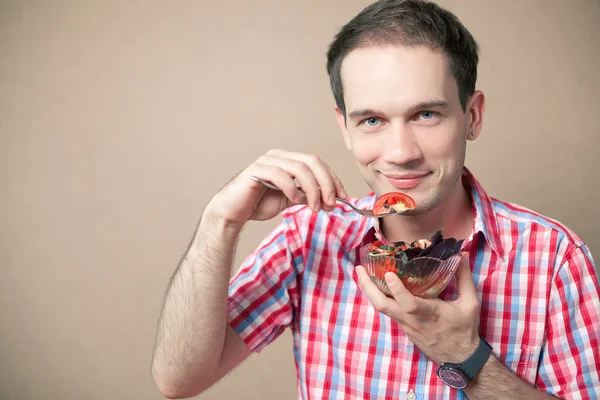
[420,106]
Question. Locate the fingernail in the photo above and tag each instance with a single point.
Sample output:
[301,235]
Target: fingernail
[331,199]
[388,278]
[344,194]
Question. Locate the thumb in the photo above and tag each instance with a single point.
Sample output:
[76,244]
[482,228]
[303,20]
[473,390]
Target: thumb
[464,278]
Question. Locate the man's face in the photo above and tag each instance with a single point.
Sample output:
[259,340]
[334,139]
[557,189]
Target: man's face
[405,124]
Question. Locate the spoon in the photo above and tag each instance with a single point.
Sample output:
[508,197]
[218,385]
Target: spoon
[366,213]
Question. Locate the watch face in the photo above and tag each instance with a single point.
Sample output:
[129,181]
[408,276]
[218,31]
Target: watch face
[452,377]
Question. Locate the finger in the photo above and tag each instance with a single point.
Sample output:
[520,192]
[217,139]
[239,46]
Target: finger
[464,278]
[279,178]
[408,302]
[378,299]
[302,173]
[327,207]
[340,190]
[300,199]
[339,187]
[320,172]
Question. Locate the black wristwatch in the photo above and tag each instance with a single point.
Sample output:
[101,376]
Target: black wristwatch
[458,375]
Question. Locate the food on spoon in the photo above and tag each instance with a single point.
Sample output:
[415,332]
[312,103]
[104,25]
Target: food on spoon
[393,202]
[425,266]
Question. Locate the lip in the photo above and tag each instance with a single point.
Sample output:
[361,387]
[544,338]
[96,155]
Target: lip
[407,181]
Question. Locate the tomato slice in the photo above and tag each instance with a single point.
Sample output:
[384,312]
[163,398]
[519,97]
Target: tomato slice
[388,266]
[375,245]
[386,202]
[377,249]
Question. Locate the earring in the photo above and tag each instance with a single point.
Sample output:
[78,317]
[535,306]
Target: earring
[472,133]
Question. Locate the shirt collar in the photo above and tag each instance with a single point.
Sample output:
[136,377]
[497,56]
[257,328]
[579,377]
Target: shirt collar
[484,216]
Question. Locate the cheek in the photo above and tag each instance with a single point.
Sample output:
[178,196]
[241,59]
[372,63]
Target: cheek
[447,148]
[365,150]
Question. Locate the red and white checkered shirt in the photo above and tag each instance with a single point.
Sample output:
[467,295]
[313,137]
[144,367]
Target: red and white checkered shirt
[536,281]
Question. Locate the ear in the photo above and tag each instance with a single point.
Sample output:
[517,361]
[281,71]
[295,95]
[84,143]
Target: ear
[342,123]
[475,110]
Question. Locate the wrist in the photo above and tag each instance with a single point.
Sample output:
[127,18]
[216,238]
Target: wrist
[216,219]
[460,374]
[213,232]
[484,369]
[457,352]
[465,350]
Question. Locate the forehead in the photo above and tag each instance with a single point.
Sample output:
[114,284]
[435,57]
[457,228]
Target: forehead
[395,77]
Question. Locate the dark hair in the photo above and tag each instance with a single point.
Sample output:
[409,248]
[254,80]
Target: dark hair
[407,22]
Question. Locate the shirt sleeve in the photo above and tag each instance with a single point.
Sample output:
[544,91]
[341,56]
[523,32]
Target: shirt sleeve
[263,293]
[570,358]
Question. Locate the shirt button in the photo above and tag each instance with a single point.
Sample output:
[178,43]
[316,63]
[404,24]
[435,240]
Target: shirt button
[411,396]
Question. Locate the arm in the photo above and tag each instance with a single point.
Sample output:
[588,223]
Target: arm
[569,364]
[195,346]
[447,331]
[496,381]
[191,333]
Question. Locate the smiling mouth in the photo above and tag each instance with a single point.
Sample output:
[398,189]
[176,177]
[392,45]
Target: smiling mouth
[407,181]
[405,176]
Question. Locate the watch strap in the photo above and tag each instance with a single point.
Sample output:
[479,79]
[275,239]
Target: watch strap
[473,364]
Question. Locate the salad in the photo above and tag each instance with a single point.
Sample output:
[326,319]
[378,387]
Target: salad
[403,258]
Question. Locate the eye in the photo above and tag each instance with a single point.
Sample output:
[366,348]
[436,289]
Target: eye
[372,122]
[428,117]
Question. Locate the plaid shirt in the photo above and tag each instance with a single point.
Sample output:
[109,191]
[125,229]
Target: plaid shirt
[536,281]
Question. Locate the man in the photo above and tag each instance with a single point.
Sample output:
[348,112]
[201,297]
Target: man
[522,318]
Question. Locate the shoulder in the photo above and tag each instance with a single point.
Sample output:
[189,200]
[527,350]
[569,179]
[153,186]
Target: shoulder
[514,217]
[562,254]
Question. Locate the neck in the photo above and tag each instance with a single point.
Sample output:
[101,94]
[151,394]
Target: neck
[454,216]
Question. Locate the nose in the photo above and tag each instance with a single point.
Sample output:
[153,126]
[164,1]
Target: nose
[402,146]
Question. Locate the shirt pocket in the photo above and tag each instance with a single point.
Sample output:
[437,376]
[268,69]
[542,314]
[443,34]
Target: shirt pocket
[522,361]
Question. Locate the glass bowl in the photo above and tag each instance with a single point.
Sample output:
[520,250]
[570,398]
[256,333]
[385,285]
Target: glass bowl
[424,276]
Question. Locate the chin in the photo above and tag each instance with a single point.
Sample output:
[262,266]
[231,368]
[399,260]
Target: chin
[423,208]
[426,201]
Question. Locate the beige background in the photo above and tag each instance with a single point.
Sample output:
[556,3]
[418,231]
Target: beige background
[119,120]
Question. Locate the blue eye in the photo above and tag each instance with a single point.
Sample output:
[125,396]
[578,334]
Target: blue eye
[427,114]
[372,121]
